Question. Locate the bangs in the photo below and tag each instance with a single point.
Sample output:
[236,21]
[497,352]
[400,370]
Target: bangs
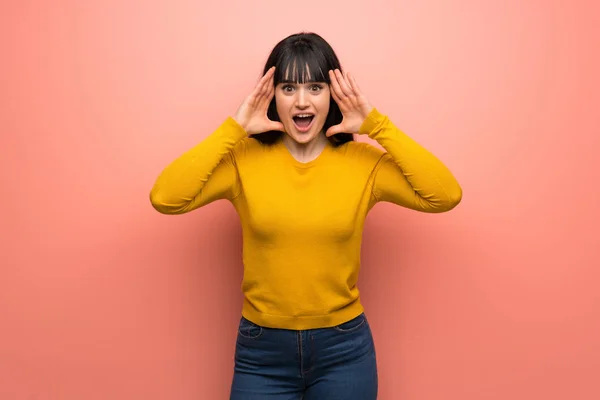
[301,65]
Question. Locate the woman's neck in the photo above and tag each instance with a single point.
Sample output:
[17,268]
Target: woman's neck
[306,152]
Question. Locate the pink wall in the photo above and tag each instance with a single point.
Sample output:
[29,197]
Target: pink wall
[103,298]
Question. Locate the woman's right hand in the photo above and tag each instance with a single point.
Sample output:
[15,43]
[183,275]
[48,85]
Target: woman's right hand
[252,114]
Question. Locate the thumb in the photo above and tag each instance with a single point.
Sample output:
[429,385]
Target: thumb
[276,126]
[334,130]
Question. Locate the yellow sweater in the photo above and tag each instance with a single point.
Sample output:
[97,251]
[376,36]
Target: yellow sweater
[302,223]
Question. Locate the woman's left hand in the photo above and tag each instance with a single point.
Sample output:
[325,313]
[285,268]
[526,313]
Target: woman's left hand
[354,106]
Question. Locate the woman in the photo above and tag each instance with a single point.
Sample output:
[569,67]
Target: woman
[302,188]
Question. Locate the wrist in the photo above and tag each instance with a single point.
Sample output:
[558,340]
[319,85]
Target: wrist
[240,122]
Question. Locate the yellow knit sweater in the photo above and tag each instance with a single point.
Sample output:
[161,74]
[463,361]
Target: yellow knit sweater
[302,223]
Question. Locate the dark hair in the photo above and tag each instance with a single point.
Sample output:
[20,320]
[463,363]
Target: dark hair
[303,53]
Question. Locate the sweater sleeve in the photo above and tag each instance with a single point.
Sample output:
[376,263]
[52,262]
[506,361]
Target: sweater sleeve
[407,174]
[203,174]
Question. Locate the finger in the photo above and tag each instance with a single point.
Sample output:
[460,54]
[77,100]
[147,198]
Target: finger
[270,72]
[262,84]
[345,88]
[276,126]
[266,81]
[272,81]
[337,92]
[353,84]
[333,130]
[270,93]
[330,132]
[271,86]
[339,101]
[266,99]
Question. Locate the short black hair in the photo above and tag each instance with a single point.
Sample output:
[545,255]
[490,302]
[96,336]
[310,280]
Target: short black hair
[297,58]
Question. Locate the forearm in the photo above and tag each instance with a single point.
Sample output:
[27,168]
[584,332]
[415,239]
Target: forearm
[179,187]
[418,179]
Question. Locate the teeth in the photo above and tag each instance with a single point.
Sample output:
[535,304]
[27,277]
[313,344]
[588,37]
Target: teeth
[304,115]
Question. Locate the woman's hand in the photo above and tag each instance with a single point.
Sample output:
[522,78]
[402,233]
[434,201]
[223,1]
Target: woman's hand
[354,106]
[252,113]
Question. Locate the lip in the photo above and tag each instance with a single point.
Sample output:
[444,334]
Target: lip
[304,130]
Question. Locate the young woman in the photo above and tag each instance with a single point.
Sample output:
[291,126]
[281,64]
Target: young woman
[302,188]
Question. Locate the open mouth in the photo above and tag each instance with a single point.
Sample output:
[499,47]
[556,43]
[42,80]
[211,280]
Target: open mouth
[303,122]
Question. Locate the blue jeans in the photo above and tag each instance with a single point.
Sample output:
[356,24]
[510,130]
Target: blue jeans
[316,364]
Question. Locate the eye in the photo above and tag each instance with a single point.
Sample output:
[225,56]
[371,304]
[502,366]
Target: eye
[316,87]
[287,88]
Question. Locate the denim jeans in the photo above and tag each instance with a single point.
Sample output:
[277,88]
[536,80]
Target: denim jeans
[337,363]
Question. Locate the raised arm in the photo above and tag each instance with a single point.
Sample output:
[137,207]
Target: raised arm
[407,174]
[203,174]
[208,172]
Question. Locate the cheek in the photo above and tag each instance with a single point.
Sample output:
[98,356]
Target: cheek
[280,106]
[324,105]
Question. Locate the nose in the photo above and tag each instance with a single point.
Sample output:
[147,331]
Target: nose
[301,98]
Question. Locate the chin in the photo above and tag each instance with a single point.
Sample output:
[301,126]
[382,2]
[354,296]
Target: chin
[302,138]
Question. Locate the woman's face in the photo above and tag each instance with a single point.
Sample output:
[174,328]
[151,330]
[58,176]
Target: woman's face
[302,108]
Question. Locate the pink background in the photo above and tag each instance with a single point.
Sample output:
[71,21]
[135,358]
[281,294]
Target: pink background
[103,298]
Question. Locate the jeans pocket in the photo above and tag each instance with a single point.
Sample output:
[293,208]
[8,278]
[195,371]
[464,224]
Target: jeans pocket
[249,329]
[352,325]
